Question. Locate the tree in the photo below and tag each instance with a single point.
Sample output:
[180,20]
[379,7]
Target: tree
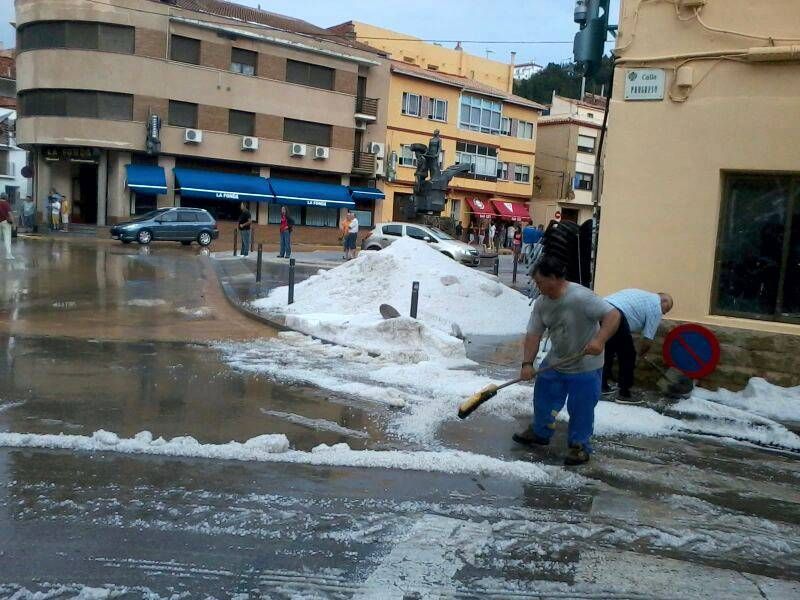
[565,79]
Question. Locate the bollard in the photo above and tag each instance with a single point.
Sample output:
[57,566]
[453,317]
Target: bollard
[252,237]
[414,299]
[497,265]
[235,241]
[258,262]
[514,273]
[291,281]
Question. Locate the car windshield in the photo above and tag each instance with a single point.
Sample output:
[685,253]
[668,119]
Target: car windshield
[441,234]
[151,215]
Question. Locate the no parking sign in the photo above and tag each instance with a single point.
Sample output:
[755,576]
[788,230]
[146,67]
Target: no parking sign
[692,349]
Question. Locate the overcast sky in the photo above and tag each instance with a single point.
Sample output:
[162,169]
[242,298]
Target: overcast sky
[513,21]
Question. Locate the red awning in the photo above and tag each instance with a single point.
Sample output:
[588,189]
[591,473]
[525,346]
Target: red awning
[516,211]
[482,208]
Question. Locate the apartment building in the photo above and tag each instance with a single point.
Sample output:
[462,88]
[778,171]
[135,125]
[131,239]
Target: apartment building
[252,106]
[702,173]
[566,159]
[12,158]
[469,100]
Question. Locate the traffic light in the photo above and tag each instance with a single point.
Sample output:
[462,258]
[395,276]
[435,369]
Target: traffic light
[589,46]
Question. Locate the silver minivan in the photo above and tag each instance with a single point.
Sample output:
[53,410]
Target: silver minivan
[385,233]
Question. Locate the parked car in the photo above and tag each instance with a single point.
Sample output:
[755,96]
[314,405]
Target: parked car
[184,225]
[385,233]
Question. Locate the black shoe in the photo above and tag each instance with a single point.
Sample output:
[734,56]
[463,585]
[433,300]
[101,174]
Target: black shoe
[627,398]
[576,455]
[529,438]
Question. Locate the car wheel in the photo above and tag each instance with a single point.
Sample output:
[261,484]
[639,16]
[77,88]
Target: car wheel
[144,237]
[186,243]
[204,239]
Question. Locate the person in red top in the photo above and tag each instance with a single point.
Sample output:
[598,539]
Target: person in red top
[287,224]
[6,220]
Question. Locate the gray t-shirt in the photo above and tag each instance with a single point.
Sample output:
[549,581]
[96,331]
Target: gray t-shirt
[573,320]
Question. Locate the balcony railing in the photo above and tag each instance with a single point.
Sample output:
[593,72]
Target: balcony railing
[367,106]
[364,163]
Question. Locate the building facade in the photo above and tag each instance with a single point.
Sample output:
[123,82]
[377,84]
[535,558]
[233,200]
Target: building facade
[12,158]
[566,159]
[237,91]
[702,173]
[468,99]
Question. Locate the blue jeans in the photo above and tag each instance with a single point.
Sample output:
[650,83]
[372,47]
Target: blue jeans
[245,233]
[286,244]
[581,391]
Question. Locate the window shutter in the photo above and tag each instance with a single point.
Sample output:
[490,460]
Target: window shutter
[512,167]
[514,127]
[425,109]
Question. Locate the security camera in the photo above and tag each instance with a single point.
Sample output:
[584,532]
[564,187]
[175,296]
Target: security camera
[581,11]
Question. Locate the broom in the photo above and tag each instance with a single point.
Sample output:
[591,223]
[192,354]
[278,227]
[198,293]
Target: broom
[469,405]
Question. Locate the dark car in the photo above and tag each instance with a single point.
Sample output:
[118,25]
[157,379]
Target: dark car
[184,225]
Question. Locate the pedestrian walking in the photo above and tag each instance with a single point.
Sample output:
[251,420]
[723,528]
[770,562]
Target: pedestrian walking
[530,236]
[508,242]
[492,232]
[641,313]
[286,227]
[55,210]
[516,241]
[245,221]
[66,207]
[28,214]
[6,225]
[459,231]
[344,229]
[580,323]
[352,235]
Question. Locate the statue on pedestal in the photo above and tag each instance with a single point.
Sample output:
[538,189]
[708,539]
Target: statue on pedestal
[430,194]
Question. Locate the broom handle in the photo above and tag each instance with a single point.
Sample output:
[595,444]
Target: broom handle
[558,363]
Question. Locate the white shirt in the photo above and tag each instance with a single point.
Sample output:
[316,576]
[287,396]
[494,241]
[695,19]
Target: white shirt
[642,310]
[492,231]
[55,207]
[353,226]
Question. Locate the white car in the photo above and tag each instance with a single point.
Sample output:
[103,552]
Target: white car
[385,233]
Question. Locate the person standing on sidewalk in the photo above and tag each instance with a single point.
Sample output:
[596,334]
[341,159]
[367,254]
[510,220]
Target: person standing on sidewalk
[55,211]
[641,313]
[66,207]
[245,221]
[352,235]
[343,231]
[580,324]
[287,225]
[6,225]
[492,234]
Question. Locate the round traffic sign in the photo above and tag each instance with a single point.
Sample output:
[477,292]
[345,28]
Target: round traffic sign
[692,349]
[557,216]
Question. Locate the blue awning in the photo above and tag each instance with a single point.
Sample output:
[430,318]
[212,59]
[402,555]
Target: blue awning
[366,193]
[212,185]
[146,179]
[308,193]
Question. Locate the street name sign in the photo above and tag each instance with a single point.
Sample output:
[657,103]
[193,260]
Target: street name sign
[644,84]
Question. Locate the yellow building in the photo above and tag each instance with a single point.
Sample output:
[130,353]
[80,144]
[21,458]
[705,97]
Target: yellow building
[468,99]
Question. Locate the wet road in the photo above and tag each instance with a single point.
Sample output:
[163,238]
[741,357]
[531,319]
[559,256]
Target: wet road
[102,336]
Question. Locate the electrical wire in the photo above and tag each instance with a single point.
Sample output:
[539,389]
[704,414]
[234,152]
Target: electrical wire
[768,38]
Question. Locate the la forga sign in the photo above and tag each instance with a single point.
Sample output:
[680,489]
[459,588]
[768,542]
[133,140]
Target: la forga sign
[644,84]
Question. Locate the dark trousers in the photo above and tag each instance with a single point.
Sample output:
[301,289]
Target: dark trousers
[621,346]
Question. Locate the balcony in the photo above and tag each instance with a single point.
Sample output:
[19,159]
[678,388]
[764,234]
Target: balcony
[363,163]
[366,108]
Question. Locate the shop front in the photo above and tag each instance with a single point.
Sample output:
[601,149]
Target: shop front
[74,173]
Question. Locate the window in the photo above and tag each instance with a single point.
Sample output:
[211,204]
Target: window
[307,74]
[406,157]
[484,159]
[76,103]
[187,216]
[502,170]
[411,104]
[586,144]
[480,114]
[85,35]
[525,130]
[171,216]
[583,181]
[311,216]
[416,232]
[182,114]
[522,173]
[183,49]
[758,251]
[306,132]
[240,122]
[437,110]
[505,126]
[364,217]
[6,167]
[243,61]
[143,203]
[393,230]
[590,115]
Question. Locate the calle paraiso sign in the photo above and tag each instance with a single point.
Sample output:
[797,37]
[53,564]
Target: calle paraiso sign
[644,84]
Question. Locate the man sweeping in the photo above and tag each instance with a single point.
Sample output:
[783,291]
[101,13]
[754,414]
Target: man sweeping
[641,313]
[580,323]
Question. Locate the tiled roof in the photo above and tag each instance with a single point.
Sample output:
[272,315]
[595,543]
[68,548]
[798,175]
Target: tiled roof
[231,10]
[470,85]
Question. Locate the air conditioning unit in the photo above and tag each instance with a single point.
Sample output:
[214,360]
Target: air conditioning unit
[361,125]
[298,150]
[249,143]
[321,152]
[192,136]
[375,148]
[380,167]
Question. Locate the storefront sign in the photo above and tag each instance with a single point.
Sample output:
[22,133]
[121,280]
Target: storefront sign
[644,84]
[316,203]
[70,153]
[227,195]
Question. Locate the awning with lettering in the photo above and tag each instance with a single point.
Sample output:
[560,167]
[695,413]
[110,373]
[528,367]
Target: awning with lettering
[366,193]
[310,193]
[516,211]
[146,179]
[212,185]
[482,208]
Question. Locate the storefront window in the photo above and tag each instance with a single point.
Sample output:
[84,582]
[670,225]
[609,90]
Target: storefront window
[758,254]
[364,218]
